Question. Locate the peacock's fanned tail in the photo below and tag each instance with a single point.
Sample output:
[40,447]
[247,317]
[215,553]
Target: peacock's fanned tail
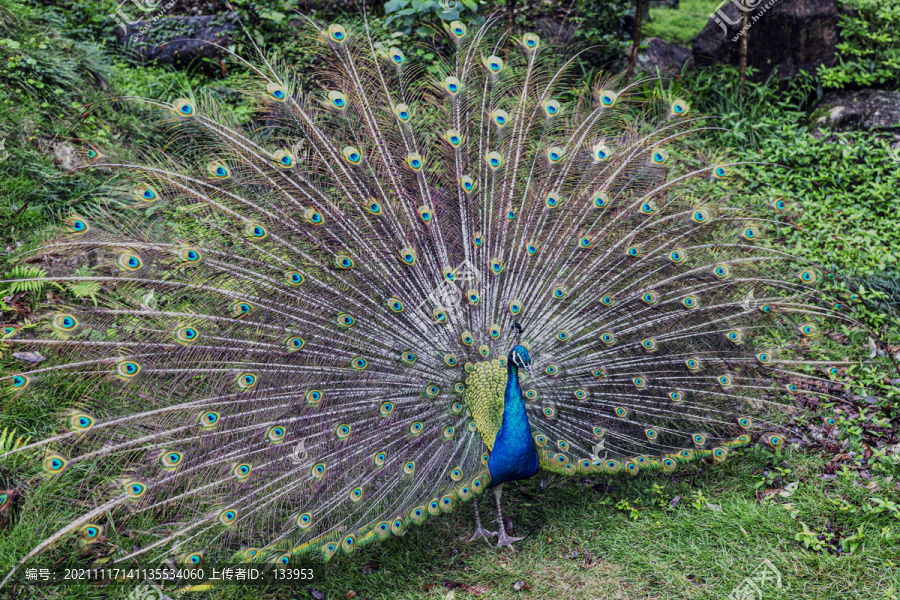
[286,370]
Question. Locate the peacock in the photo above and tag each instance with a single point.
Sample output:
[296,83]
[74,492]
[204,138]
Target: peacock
[395,291]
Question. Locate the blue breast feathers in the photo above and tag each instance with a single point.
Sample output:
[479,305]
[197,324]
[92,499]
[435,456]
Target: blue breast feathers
[513,456]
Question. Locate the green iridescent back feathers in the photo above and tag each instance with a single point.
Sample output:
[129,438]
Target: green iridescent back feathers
[290,370]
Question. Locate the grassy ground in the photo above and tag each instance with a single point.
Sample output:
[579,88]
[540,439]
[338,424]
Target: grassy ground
[681,24]
[587,544]
[699,535]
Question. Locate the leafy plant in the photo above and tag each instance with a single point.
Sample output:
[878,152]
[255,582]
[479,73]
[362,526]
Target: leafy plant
[411,12]
[698,500]
[869,51]
[84,289]
[812,539]
[851,543]
[25,278]
[634,512]
[880,505]
[746,116]
[599,27]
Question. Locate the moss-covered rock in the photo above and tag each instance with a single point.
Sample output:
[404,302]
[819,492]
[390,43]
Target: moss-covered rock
[861,110]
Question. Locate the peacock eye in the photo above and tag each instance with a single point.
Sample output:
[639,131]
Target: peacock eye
[337,33]
[183,107]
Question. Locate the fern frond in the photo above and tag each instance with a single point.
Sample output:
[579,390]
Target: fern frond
[26,278]
[84,289]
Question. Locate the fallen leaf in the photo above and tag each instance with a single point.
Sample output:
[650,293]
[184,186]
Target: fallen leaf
[789,489]
[350,595]
[520,585]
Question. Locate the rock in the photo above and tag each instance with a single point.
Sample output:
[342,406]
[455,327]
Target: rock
[659,54]
[792,35]
[842,110]
[181,41]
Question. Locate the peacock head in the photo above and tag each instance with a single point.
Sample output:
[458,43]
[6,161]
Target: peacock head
[520,358]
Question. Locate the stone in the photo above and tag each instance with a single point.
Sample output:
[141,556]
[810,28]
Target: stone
[667,58]
[180,41]
[855,110]
[790,35]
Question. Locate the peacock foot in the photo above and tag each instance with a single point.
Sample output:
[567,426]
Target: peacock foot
[481,532]
[505,541]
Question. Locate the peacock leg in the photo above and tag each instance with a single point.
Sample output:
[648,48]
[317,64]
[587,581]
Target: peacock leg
[480,532]
[503,539]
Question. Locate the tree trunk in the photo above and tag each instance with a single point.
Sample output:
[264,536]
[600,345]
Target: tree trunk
[636,40]
[510,23]
[745,22]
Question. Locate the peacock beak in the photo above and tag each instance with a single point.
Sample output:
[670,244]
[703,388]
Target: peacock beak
[529,369]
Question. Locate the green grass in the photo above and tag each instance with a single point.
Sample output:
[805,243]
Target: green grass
[582,546]
[679,25]
[627,544]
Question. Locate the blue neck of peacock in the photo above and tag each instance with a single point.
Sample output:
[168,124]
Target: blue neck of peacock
[513,388]
[513,456]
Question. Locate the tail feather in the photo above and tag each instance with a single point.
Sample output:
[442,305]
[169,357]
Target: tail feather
[275,358]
